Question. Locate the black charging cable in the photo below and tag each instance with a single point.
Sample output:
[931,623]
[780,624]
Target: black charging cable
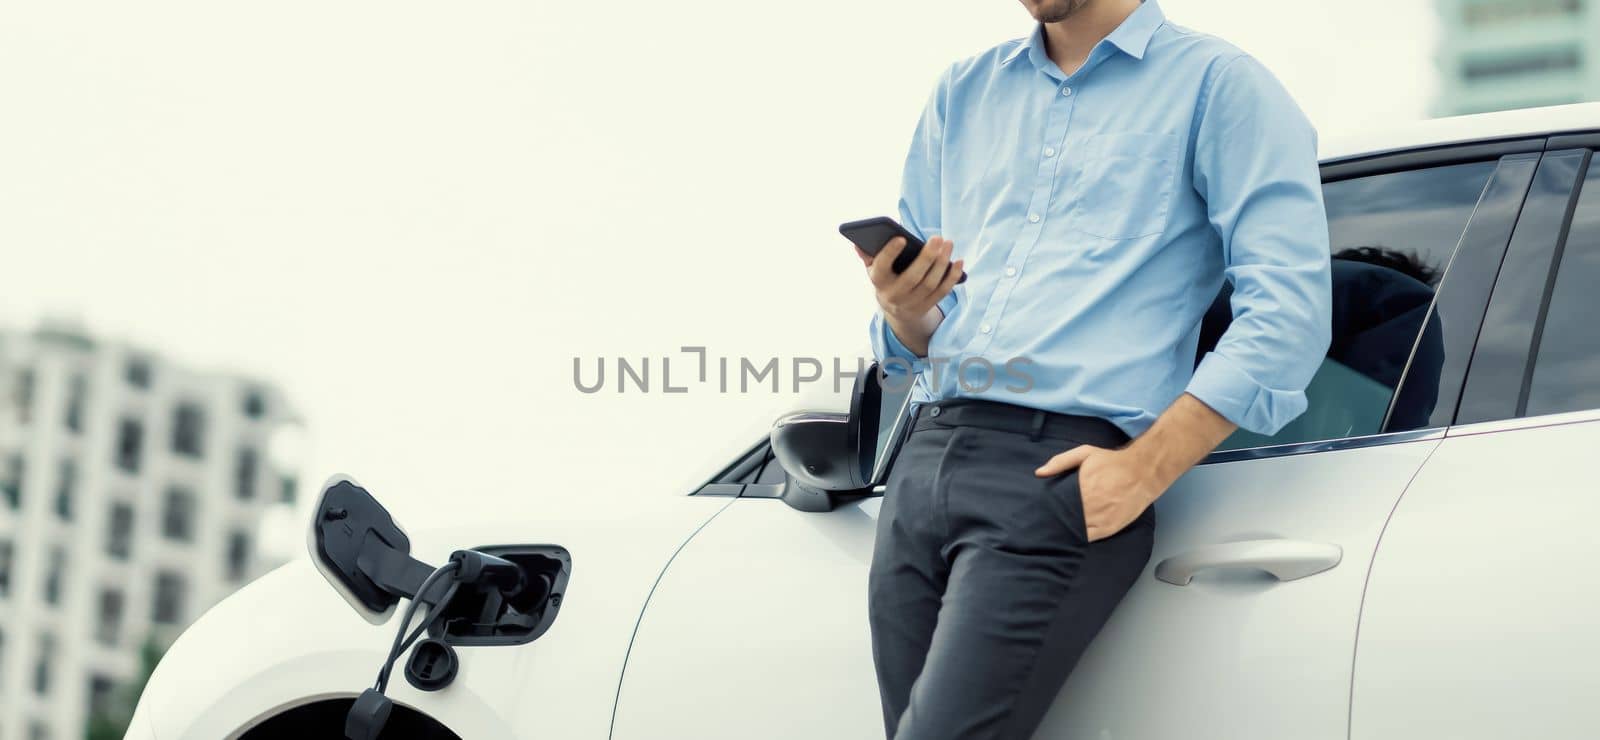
[371,710]
[401,646]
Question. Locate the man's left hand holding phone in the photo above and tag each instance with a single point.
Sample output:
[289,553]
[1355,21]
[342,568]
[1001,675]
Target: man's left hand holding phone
[910,298]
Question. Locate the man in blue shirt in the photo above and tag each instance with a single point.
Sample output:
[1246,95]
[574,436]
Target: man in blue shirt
[1098,181]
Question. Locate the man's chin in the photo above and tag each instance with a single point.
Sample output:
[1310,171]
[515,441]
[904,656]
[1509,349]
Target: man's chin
[1053,11]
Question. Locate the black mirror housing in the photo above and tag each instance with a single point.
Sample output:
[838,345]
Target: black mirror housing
[827,453]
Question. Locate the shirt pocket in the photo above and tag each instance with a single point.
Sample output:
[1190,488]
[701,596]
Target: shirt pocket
[1124,188]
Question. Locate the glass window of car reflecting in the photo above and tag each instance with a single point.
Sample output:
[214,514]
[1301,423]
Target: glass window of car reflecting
[1393,236]
[1566,369]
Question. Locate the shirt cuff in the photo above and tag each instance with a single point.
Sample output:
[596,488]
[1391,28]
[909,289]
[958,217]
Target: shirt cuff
[1221,384]
[893,355]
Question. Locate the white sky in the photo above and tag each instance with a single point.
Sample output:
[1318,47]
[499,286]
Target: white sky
[412,215]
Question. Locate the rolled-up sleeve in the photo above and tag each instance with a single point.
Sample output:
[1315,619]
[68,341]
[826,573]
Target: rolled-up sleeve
[1255,164]
[919,213]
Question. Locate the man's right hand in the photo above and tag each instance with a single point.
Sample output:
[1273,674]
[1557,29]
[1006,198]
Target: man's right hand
[910,300]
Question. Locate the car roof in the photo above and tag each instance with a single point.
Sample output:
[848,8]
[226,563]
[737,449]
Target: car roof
[1462,129]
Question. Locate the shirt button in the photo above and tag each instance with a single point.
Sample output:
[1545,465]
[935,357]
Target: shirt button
[1049,151]
[933,411]
[1066,91]
[1011,271]
[1033,218]
[985,328]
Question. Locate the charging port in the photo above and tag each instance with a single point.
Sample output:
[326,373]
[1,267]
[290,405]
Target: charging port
[485,616]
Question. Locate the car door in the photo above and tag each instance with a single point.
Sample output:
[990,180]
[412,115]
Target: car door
[758,627]
[1236,652]
[1480,614]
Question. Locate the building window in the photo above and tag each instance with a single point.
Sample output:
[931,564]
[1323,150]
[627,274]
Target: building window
[109,622]
[7,553]
[1490,106]
[287,488]
[130,441]
[119,537]
[11,480]
[38,730]
[103,699]
[177,516]
[77,389]
[255,405]
[168,603]
[64,489]
[238,555]
[188,429]
[1532,62]
[1495,12]
[43,663]
[244,472]
[55,572]
[137,372]
[22,395]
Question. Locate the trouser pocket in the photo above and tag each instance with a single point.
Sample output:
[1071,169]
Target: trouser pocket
[1063,495]
[1025,512]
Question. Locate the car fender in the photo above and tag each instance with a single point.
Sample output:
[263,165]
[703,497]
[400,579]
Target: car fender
[289,638]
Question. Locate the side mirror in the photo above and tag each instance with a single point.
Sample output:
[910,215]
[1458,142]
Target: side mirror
[832,453]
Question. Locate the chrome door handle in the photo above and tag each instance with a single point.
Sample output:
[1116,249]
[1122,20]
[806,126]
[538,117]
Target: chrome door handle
[1285,559]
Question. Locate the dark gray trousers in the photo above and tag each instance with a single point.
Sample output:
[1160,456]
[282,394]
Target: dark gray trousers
[984,590]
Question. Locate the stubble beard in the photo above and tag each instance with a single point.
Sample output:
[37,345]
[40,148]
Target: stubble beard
[1055,11]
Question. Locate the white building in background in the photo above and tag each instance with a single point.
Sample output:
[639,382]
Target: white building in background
[1504,54]
[130,494]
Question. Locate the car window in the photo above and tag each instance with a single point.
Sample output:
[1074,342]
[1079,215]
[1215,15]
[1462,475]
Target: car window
[771,472]
[1502,356]
[1392,237]
[747,468]
[1566,369]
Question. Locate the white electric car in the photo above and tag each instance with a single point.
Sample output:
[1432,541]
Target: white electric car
[1411,558]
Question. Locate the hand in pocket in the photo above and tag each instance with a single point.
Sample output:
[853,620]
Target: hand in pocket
[1116,486]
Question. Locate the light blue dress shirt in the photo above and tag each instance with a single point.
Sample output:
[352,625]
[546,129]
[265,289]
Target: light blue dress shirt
[1098,214]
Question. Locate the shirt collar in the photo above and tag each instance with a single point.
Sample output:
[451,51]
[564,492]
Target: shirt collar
[1132,37]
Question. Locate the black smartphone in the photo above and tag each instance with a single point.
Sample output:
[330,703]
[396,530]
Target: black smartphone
[871,234]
